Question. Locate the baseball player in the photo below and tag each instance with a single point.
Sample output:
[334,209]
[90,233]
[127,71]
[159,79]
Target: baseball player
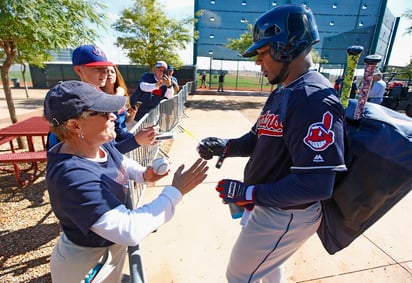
[295,148]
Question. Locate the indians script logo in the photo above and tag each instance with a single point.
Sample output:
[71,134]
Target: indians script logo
[269,125]
[319,135]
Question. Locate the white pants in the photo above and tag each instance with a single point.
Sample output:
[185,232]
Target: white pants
[71,263]
[270,236]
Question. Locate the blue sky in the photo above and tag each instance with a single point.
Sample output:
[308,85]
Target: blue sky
[402,52]
[174,8]
[400,56]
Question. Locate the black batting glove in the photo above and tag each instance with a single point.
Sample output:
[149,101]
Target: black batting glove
[212,146]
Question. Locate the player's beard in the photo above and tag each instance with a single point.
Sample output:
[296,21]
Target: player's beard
[283,73]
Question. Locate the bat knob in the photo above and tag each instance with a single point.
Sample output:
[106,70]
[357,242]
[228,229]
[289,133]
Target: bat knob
[354,49]
[372,59]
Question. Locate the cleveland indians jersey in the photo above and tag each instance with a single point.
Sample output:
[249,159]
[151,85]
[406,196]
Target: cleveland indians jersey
[300,129]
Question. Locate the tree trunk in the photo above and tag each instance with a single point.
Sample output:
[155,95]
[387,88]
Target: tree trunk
[23,74]
[9,99]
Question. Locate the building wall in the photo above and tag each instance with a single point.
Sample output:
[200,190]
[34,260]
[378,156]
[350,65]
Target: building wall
[52,73]
[341,23]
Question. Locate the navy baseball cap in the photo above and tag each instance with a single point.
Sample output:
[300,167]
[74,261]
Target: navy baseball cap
[69,99]
[170,68]
[90,56]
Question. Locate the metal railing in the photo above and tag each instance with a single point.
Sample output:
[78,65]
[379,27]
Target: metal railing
[167,114]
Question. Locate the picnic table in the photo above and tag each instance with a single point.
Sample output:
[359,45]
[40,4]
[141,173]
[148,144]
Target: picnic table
[28,128]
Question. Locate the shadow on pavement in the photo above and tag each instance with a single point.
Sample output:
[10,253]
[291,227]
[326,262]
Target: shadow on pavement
[209,105]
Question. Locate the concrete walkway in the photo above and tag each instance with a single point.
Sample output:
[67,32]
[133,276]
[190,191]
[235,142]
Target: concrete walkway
[195,245]
[24,106]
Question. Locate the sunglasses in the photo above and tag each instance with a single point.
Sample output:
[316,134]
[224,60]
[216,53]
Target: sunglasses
[95,113]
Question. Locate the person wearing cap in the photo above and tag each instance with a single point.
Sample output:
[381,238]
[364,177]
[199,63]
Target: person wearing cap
[152,89]
[175,83]
[221,82]
[377,90]
[116,85]
[87,181]
[295,149]
[203,79]
[354,90]
[338,84]
[91,65]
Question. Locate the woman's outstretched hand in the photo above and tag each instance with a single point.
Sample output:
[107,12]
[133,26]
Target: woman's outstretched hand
[188,180]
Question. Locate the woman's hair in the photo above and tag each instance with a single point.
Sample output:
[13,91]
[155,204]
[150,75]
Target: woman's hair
[63,132]
[120,83]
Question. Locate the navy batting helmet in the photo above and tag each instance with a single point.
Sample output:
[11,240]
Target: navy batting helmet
[289,29]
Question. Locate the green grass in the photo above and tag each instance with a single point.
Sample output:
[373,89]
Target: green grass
[18,74]
[243,82]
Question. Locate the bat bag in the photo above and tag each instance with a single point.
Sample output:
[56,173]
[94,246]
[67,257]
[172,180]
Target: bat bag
[379,160]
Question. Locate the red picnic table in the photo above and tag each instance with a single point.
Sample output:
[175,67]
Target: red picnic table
[29,128]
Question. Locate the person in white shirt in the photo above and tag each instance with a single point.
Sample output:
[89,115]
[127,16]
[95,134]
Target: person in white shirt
[152,89]
[377,90]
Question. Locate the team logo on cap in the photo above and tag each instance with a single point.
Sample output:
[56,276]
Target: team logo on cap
[98,52]
[320,136]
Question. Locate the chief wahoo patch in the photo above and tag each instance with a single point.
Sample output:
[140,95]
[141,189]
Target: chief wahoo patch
[320,136]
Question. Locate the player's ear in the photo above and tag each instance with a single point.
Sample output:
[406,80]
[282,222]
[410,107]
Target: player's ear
[77,70]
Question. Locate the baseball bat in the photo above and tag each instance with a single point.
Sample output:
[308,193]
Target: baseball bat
[220,159]
[370,65]
[353,54]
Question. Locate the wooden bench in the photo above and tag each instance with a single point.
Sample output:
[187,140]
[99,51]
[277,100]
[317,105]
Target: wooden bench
[23,157]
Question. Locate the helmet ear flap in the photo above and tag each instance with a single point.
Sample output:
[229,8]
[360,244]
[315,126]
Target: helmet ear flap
[273,47]
[278,54]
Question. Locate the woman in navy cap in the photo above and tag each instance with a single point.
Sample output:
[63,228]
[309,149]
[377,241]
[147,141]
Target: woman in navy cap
[87,181]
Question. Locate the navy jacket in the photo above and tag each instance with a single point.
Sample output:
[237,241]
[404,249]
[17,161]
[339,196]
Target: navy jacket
[148,100]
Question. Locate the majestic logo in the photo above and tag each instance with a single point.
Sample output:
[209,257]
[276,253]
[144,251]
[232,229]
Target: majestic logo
[318,158]
[269,125]
[320,136]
